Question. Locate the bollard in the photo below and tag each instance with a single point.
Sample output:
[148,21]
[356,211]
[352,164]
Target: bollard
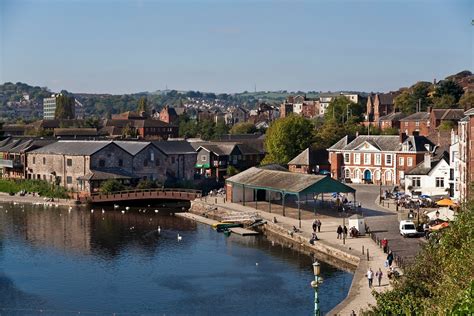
[215,201]
[343,239]
[367,254]
[362,249]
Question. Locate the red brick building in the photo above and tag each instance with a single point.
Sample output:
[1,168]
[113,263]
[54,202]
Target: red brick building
[377,159]
[416,124]
[379,105]
[168,115]
[310,161]
[391,120]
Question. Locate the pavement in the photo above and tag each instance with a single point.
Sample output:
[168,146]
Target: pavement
[381,220]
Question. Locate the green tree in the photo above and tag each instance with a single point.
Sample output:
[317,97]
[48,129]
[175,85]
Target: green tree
[142,105]
[286,138]
[447,126]
[343,110]
[129,132]
[467,100]
[65,107]
[445,101]
[417,96]
[451,88]
[111,185]
[206,129]
[231,171]
[243,128]
[220,129]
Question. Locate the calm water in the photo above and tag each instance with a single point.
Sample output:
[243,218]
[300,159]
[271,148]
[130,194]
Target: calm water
[63,263]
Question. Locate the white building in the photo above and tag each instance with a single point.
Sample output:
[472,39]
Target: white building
[430,177]
[49,108]
[454,165]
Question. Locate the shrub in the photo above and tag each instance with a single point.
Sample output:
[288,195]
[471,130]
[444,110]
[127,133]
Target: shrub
[110,186]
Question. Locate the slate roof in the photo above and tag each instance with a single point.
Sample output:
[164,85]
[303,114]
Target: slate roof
[386,98]
[341,143]
[132,147]
[31,144]
[417,116]
[310,157]
[75,131]
[395,116]
[106,174]
[73,147]
[175,147]
[420,169]
[448,114]
[219,149]
[288,181]
[384,142]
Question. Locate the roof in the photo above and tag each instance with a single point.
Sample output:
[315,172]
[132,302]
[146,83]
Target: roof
[386,98]
[149,123]
[13,127]
[132,147]
[448,114]
[420,168]
[384,142]
[417,116]
[175,147]
[392,116]
[219,149]
[107,174]
[289,182]
[341,143]
[309,157]
[73,147]
[245,149]
[75,131]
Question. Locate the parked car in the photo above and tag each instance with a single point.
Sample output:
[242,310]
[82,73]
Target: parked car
[408,229]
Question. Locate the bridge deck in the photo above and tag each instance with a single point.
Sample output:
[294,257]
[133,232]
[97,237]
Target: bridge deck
[147,194]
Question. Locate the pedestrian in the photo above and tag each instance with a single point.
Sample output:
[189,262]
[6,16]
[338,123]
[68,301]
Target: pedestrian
[315,225]
[379,275]
[345,231]
[384,245]
[390,258]
[370,276]
[319,226]
[339,232]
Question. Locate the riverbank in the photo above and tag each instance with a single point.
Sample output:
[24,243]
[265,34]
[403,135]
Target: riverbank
[353,254]
[30,199]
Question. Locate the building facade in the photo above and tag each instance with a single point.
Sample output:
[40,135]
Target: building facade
[416,124]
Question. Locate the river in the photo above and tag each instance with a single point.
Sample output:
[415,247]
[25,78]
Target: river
[62,262]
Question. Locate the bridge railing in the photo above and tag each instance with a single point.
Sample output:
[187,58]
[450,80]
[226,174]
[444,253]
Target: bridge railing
[198,193]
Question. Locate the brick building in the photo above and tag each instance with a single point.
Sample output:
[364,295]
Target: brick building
[466,155]
[378,105]
[375,159]
[310,161]
[391,120]
[168,115]
[300,105]
[416,124]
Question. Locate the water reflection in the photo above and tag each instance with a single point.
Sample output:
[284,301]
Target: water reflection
[113,262]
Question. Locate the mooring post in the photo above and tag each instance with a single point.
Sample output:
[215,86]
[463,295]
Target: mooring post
[367,254]
[362,249]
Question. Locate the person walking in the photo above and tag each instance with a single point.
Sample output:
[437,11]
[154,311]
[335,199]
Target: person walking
[370,276]
[345,231]
[384,245]
[390,258]
[379,275]
[319,226]
[339,232]
[315,225]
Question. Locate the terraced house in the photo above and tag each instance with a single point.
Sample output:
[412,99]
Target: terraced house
[377,159]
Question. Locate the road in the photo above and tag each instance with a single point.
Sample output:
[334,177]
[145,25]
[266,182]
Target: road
[385,223]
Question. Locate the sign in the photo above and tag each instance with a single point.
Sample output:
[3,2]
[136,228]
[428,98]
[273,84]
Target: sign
[6,163]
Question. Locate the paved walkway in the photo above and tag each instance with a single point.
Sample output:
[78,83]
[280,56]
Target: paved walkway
[360,295]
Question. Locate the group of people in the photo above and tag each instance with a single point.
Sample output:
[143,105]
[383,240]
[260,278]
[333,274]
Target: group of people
[340,231]
[316,228]
[388,263]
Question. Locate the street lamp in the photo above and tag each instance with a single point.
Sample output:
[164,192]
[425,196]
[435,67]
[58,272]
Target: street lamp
[315,284]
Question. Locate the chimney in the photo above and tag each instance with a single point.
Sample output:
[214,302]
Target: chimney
[434,81]
[427,162]
[403,137]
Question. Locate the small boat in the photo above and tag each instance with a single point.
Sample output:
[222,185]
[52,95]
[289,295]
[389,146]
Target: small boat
[220,227]
[227,232]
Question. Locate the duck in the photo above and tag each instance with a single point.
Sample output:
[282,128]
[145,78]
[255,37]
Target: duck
[123,211]
[156,211]
[127,208]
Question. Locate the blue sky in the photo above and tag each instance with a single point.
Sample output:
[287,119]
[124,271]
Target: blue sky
[229,46]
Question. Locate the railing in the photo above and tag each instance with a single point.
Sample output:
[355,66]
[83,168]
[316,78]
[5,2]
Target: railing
[164,193]
[149,190]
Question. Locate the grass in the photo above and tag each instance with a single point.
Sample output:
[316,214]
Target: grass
[43,188]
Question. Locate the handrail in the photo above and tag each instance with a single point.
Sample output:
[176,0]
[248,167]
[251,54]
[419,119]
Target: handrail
[149,190]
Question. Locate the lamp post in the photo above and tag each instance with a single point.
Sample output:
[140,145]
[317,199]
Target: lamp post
[315,284]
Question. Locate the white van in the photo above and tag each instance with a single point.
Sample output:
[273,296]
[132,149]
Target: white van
[408,229]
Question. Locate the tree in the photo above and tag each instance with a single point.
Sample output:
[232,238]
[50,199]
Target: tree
[447,126]
[243,128]
[231,171]
[467,100]
[65,107]
[415,97]
[111,185]
[286,138]
[129,132]
[451,88]
[206,129]
[142,105]
[220,129]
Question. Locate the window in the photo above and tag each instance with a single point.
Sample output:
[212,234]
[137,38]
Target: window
[401,161]
[34,160]
[388,159]
[44,160]
[357,159]
[366,159]
[377,175]
[378,159]
[347,158]
[145,163]
[38,177]
[388,176]
[357,174]
[69,180]
[69,162]
[203,158]
[101,163]
[417,123]
[120,163]
[416,182]
[439,182]
[406,123]
[157,162]
[409,161]
[152,156]
[347,173]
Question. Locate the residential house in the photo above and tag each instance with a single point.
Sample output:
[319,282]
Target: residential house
[377,159]
[416,124]
[310,161]
[466,154]
[447,117]
[391,120]
[144,128]
[168,115]
[236,115]
[378,105]
[430,177]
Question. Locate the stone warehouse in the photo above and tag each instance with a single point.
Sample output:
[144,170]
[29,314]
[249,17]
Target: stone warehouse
[82,166]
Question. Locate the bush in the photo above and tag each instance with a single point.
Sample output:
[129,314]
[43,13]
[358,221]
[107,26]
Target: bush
[146,184]
[231,170]
[41,187]
[110,186]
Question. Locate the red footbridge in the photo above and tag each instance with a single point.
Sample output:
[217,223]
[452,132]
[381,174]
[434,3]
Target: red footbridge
[146,194]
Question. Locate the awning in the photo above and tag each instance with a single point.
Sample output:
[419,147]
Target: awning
[206,165]
[445,202]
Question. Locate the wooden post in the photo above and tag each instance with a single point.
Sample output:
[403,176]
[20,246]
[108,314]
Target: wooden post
[283,202]
[255,196]
[362,249]
[299,212]
[367,254]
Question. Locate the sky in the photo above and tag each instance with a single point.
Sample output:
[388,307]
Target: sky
[106,46]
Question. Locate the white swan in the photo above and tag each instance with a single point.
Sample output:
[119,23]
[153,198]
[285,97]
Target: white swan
[180,237]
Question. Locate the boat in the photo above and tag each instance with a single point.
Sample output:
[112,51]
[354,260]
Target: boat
[222,226]
[227,232]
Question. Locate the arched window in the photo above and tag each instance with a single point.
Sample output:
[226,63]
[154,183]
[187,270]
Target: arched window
[377,175]
[388,176]
[347,173]
[357,174]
